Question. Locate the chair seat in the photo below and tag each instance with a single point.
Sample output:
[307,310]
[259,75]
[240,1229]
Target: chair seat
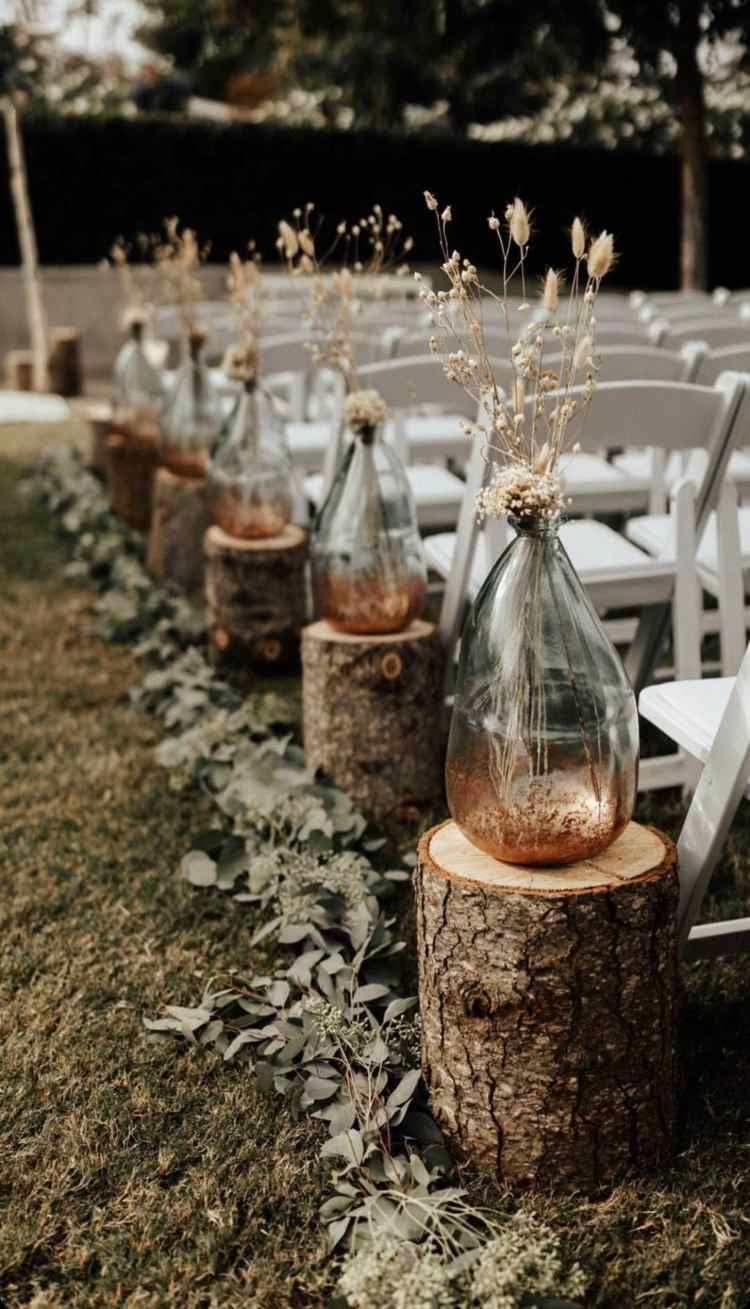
[688,712]
[437,493]
[615,570]
[637,463]
[654,534]
[29,407]
[593,483]
[431,438]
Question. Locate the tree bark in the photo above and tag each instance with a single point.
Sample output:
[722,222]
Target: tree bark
[130,473]
[255,595]
[691,112]
[371,707]
[179,519]
[35,311]
[548,1001]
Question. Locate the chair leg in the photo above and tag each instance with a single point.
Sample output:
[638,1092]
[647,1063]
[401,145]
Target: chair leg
[715,803]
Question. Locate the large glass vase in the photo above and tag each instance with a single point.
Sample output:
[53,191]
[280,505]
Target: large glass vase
[367,563]
[250,473]
[137,391]
[192,416]
[542,758]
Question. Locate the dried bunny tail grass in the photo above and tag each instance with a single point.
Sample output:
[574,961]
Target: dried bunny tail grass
[551,292]
[519,224]
[601,256]
[578,239]
[363,410]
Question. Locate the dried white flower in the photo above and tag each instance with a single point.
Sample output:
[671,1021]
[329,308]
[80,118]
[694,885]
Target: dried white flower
[288,239]
[551,291]
[240,363]
[430,200]
[363,410]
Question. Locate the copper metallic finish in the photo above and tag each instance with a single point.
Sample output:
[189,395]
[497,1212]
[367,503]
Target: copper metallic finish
[183,461]
[368,605]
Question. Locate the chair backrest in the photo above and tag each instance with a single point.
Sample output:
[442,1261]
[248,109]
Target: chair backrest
[714,333]
[416,380]
[727,358]
[665,415]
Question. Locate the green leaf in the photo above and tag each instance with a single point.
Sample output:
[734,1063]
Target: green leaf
[347,1145]
[405,1089]
[321,1088]
[198,869]
[372,991]
[398,1007]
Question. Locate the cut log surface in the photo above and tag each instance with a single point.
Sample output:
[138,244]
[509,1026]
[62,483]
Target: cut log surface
[65,362]
[19,370]
[179,519]
[255,594]
[371,708]
[130,473]
[548,1000]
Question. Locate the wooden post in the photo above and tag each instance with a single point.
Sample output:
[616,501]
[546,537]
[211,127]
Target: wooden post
[548,1000]
[179,518]
[98,415]
[65,363]
[130,471]
[32,282]
[371,709]
[255,594]
[19,370]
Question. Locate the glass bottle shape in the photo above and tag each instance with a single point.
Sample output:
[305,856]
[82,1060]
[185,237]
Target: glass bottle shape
[367,563]
[250,472]
[542,762]
[137,391]
[192,415]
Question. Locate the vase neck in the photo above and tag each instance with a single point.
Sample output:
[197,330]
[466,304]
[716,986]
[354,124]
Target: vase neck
[536,529]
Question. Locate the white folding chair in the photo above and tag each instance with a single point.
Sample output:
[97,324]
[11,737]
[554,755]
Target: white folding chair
[710,721]
[672,416]
[712,331]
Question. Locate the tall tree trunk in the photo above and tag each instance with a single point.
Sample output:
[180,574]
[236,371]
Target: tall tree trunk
[35,311]
[693,160]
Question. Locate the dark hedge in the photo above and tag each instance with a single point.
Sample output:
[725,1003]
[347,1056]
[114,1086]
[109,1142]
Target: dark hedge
[93,179]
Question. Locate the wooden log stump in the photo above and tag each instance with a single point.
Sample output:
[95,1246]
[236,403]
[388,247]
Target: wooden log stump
[65,362]
[548,1001]
[19,370]
[371,709]
[179,519]
[130,471]
[255,595]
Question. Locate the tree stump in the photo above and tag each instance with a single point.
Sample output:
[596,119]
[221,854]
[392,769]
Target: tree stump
[19,370]
[371,709]
[179,518]
[65,364]
[548,1000]
[255,595]
[130,470]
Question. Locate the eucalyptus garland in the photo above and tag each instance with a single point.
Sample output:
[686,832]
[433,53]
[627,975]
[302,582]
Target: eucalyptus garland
[329,1026]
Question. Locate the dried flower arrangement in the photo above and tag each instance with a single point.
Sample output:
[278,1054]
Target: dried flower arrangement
[245,291]
[367,249]
[364,410]
[178,257]
[524,433]
[136,274]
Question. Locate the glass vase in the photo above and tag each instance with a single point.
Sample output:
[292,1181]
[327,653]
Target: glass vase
[367,563]
[137,391]
[192,416]
[250,473]
[542,761]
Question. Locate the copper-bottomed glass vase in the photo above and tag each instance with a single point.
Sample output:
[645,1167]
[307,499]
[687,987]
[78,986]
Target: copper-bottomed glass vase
[137,391]
[250,473]
[367,563]
[542,761]
[192,415]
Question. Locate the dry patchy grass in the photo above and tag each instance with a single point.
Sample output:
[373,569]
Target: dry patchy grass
[137,1175]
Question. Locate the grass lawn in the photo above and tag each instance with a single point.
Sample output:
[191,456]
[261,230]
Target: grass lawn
[139,1175]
